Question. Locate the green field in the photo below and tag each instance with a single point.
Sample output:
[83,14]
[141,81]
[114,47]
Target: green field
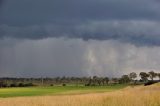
[56,90]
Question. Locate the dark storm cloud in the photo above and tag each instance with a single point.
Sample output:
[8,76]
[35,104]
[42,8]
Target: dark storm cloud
[139,33]
[86,19]
[54,57]
[29,12]
[78,37]
[1,2]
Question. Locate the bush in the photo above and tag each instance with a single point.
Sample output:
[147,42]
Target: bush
[28,85]
[93,85]
[13,85]
[51,85]
[149,83]
[21,85]
[87,85]
[4,85]
[63,84]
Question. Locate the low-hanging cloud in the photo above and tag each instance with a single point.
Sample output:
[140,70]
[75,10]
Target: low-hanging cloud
[139,33]
[74,57]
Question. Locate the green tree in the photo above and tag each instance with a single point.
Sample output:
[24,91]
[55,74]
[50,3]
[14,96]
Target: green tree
[144,76]
[106,79]
[99,81]
[152,75]
[158,75]
[95,79]
[116,80]
[132,75]
[125,79]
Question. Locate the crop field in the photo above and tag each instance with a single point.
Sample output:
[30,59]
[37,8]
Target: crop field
[56,90]
[89,96]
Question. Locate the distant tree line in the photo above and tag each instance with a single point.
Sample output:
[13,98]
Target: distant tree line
[130,78]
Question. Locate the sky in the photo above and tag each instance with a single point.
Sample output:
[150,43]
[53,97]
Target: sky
[52,38]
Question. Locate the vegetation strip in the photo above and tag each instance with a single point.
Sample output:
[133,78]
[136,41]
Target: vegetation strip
[56,90]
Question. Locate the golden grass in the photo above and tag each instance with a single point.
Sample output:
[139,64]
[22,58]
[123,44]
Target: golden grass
[137,96]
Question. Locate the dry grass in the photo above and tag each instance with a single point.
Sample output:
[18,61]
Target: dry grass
[137,96]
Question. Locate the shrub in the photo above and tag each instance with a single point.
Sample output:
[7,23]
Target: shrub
[28,84]
[149,83]
[21,85]
[93,85]
[87,85]
[13,85]
[4,85]
[63,84]
[51,85]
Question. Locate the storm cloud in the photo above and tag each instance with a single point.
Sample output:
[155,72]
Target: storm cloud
[29,12]
[131,21]
[74,57]
[139,33]
[78,37]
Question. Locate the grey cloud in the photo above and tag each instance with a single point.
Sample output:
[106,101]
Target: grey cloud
[30,12]
[1,1]
[78,37]
[74,57]
[133,21]
[47,57]
[139,33]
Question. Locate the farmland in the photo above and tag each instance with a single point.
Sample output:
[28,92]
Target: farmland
[89,96]
[56,90]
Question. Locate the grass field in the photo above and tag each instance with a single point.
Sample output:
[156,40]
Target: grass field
[129,96]
[56,90]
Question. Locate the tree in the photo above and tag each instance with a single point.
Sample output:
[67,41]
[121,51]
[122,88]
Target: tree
[152,75]
[90,81]
[125,79]
[99,80]
[158,75]
[144,76]
[132,75]
[116,80]
[106,79]
[1,84]
[57,79]
[95,79]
